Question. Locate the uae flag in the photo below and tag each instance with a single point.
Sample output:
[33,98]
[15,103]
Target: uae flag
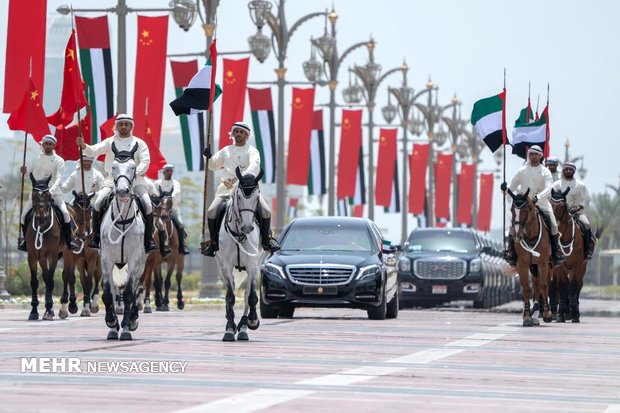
[394,206]
[385,167]
[358,211]
[264,131]
[95,58]
[192,126]
[197,95]
[292,207]
[360,182]
[526,134]
[417,179]
[489,119]
[316,175]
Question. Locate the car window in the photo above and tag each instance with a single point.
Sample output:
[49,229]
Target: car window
[327,238]
[457,241]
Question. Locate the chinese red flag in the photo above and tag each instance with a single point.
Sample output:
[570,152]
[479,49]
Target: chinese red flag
[25,50]
[443,178]
[302,114]
[157,159]
[486,202]
[233,96]
[385,166]
[466,193]
[150,75]
[418,161]
[29,115]
[66,146]
[72,98]
[348,156]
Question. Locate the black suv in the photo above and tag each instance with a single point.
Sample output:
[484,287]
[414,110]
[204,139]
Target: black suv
[439,265]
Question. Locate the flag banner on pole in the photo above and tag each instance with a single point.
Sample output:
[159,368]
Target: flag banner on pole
[292,208]
[96,60]
[418,161]
[157,159]
[343,207]
[299,136]
[486,202]
[72,97]
[488,117]
[29,115]
[465,193]
[358,211]
[385,166]
[196,97]
[525,135]
[235,74]
[192,126]
[106,129]
[394,206]
[443,177]
[150,75]
[350,144]
[316,174]
[263,121]
[25,50]
[547,148]
[360,182]
[66,136]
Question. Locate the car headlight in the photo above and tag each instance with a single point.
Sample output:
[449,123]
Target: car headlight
[404,265]
[368,271]
[274,270]
[475,265]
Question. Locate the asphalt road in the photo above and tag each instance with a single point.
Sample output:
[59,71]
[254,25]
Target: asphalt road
[441,360]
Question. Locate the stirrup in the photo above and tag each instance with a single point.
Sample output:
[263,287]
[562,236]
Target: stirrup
[95,242]
[209,248]
[150,246]
[22,246]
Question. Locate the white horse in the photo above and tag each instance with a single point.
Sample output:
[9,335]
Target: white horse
[239,243]
[122,250]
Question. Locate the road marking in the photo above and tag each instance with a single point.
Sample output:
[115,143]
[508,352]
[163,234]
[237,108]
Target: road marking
[265,398]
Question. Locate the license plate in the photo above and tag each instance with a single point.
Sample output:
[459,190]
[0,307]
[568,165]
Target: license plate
[320,290]
[440,289]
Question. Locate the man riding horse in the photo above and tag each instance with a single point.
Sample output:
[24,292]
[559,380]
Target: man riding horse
[247,158]
[93,179]
[577,200]
[539,181]
[45,165]
[552,164]
[122,141]
[171,186]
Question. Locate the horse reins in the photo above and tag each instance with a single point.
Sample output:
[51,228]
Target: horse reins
[240,238]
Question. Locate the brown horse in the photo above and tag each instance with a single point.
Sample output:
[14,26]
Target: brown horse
[570,274]
[176,260]
[86,260]
[153,260]
[533,248]
[44,242]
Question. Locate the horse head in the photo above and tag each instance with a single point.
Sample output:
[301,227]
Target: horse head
[166,204]
[523,211]
[41,199]
[82,206]
[246,198]
[558,203]
[123,173]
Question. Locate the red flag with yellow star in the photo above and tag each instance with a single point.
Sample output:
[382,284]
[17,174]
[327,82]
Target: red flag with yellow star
[299,136]
[465,193]
[66,135]
[350,147]
[417,178]
[157,159]
[385,166]
[72,98]
[29,115]
[443,178]
[233,96]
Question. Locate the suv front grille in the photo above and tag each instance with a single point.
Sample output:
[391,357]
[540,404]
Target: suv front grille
[320,274]
[434,269]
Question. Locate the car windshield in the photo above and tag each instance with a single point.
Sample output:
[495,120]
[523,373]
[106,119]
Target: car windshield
[449,241]
[331,237]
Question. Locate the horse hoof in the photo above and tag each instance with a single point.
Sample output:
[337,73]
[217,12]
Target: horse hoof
[85,313]
[253,324]
[33,316]
[560,318]
[228,336]
[535,322]
[180,305]
[243,336]
[133,325]
[528,322]
[94,308]
[554,317]
[148,310]
[112,335]
[73,308]
[62,313]
[119,310]
[165,307]
[547,319]
[113,323]
[575,320]
[48,316]
[126,336]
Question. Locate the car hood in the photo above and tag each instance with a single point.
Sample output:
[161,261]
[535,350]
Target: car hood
[360,258]
[442,255]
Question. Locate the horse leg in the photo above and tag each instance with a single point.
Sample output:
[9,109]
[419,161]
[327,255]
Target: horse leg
[576,284]
[252,299]
[523,272]
[167,283]
[231,328]
[64,298]
[86,279]
[111,320]
[34,287]
[73,307]
[48,268]
[94,268]
[128,300]
[148,281]
[544,290]
[563,293]
[157,282]
[535,283]
[553,293]
[179,275]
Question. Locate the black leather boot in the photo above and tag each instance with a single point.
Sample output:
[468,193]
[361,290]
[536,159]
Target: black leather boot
[66,227]
[182,247]
[510,255]
[21,245]
[269,244]
[214,235]
[149,244]
[556,255]
[95,240]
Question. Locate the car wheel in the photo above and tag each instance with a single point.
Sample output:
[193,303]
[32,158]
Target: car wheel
[378,313]
[267,311]
[286,311]
[392,307]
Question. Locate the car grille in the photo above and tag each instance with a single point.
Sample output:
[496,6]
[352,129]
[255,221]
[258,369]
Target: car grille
[313,274]
[433,269]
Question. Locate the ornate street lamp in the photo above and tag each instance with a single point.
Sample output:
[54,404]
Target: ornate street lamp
[353,94]
[259,12]
[260,45]
[313,69]
[389,111]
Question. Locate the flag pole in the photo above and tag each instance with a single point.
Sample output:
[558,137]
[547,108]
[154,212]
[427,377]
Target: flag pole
[504,166]
[213,60]
[21,193]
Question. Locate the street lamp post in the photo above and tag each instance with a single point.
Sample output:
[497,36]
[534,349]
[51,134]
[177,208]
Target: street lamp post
[260,12]
[454,127]
[313,70]
[370,75]
[183,12]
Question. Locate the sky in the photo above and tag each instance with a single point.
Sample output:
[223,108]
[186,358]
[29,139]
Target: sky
[462,45]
